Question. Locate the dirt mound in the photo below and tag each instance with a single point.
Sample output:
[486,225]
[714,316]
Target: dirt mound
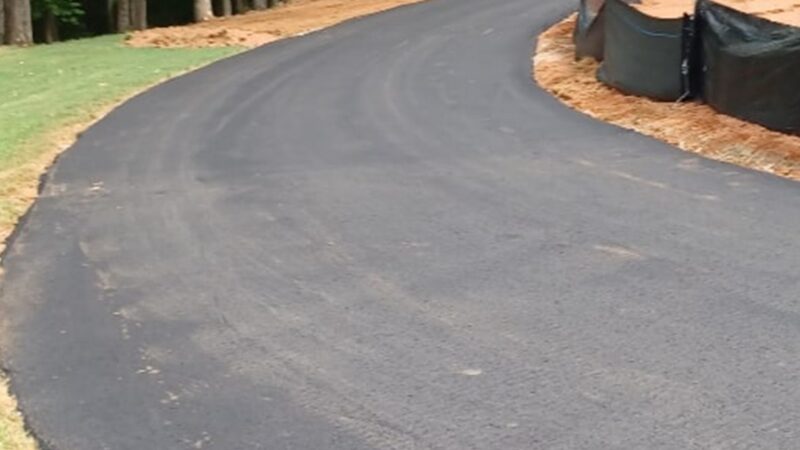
[199,37]
[783,11]
[691,126]
[260,27]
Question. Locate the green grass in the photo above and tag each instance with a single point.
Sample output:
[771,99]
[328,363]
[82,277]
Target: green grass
[12,432]
[47,89]
[48,86]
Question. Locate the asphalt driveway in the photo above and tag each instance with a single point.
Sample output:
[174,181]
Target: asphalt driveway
[385,236]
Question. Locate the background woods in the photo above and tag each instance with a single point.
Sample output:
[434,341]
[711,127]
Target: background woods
[23,22]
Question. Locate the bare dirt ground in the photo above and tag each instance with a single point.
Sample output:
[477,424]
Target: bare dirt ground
[261,27]
[691,126]
[783,11]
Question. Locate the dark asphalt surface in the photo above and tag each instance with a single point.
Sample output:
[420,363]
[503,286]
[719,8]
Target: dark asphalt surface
[384,236]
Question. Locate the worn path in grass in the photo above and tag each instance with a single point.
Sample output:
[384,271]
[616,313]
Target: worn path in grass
[383,235]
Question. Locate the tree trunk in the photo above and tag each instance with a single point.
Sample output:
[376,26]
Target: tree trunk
[139,14]
[272,3]
[239,6]
[110,20]
[123,16]
[258,5]
[202,10]
[2,22]
[226,8]
[18,28]
[50,27]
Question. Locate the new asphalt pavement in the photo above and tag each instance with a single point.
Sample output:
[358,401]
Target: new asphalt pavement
[384,236]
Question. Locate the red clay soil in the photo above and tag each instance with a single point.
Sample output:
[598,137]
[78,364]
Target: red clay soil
[691,126]
[261,27]
[783,11]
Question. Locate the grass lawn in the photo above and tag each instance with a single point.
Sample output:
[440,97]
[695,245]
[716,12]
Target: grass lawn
[49,93]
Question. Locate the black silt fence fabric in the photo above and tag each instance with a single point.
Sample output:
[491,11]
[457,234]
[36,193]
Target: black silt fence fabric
[588,34]
[644,55]
[751,67]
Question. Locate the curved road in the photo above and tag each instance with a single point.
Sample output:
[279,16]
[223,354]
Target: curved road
[384,236]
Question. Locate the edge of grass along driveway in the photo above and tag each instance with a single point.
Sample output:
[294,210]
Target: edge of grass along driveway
[51,94]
